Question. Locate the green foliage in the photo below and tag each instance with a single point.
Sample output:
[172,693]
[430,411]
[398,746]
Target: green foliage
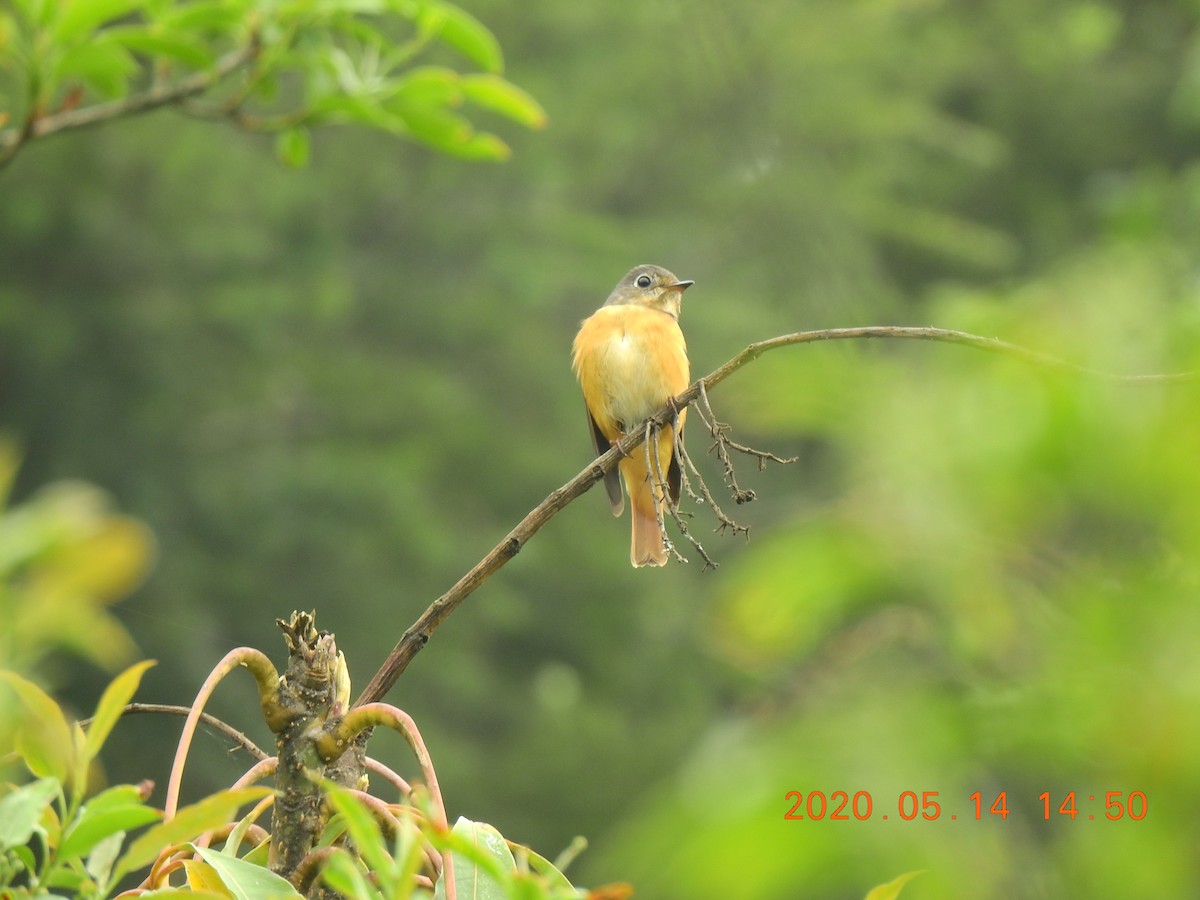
[81,846]
[65,557]
[341,390]
[54,836]
[484,865]
[264,66]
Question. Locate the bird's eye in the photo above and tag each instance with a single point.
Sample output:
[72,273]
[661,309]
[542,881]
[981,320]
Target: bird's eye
[643,281]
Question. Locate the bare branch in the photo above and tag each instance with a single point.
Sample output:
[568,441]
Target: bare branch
[419,633]
[160,95]
[207,718]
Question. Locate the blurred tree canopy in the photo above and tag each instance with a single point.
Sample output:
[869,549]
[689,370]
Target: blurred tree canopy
[339,388]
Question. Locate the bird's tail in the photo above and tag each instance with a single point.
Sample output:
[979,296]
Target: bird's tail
[647,547]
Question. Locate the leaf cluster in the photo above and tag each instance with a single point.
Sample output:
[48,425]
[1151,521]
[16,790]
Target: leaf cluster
[278,67]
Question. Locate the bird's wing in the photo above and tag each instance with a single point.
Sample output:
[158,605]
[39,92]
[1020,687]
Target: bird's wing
[612,478]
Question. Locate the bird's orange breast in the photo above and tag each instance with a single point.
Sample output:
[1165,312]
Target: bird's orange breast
[630,360]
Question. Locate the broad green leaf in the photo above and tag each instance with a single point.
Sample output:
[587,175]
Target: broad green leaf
[92,827]
[36,12]
[260,855]
[210,17]
[342,873]
[108,560]
[203,877]
[427,86]
[547,869]
[486,853]
[451,133]
[117,795]
[238,834]
[293,147]
[363,110]
[79,774]
[211,812]
[481,146]
[44,738]
[892,889]
[244,880]
[100,860]
[180,46]
[69,879]
[363,828]
[8,31]
[20,811]
[50,825]
[462,31]
[494,93]
[435,125]
[102,65]
[184,893]
[112,704]
[24,855]
[78,17]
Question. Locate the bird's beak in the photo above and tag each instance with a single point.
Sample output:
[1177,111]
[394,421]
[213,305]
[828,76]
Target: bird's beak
[680,285]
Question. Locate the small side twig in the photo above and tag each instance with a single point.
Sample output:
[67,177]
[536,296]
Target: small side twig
[724,521]
[659,491]
[161,95]
[669,502]
[168,709]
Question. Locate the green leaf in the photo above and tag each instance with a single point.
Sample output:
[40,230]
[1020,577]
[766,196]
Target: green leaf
[211,17]
[434,125]
[100,860]
[892,889]
[44,738]
[451,133]
[93,826]
[554,877]
[78,17]
[427,86]
[62,877]
[462,31]
[211,812]
[480,146]
[112,704]
[494,93]
[363,828]
[480,853]
[180,46]
[244,880]
[363,110]
[101,65]
[21,810]
[113,797]
[293,147]
[342,873]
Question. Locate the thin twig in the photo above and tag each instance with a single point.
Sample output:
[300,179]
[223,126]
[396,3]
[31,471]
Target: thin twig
[672,507]
[660,494]
[721,445]
[167,709]
[158,96]
[419,633]
[724,520]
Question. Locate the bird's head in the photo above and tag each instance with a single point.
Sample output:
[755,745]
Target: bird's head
[651,286]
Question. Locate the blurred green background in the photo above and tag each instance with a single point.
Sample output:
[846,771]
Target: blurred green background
[338,388]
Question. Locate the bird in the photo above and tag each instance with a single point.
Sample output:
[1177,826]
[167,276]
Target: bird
[630,358]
